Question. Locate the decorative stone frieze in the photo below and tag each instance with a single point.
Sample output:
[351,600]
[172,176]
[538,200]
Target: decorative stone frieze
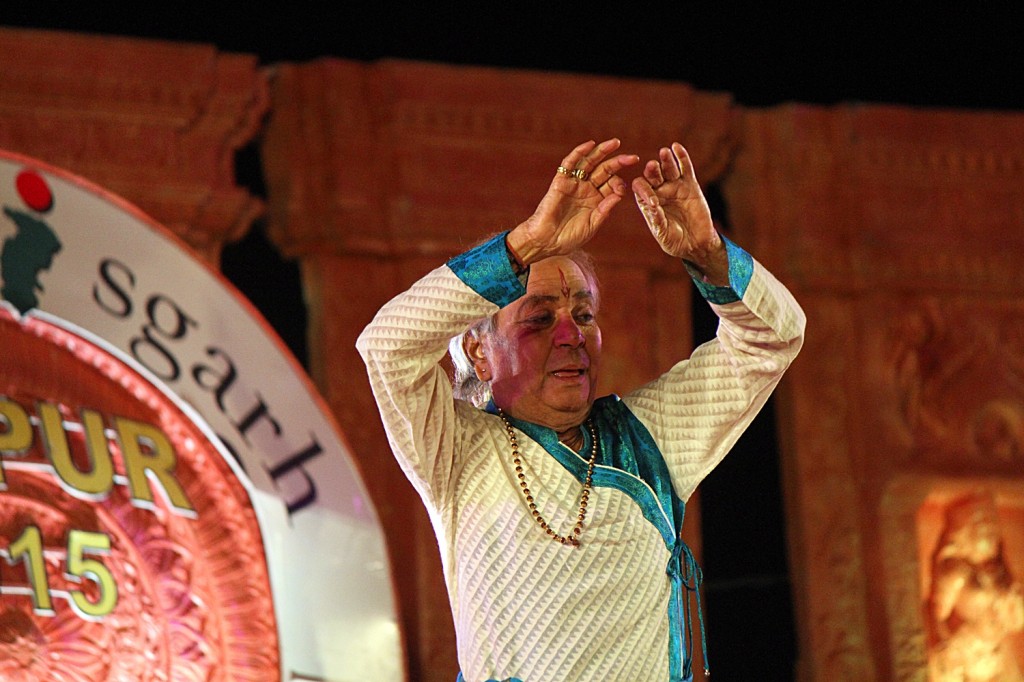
[158,123]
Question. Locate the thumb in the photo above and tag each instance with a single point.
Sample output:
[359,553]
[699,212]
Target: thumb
[649,208]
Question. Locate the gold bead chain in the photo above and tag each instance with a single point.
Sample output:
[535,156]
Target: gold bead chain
[573,537]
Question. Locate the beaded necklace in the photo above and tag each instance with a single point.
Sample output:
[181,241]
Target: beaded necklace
[573,537]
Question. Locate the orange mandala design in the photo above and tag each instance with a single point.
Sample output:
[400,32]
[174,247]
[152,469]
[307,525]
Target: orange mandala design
[151,570]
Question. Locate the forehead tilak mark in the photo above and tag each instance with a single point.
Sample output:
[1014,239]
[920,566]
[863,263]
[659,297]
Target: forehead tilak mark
[565,285]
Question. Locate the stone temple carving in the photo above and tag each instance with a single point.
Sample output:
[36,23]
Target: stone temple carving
[976,605]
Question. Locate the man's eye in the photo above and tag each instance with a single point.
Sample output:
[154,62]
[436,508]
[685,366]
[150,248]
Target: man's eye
[585,318]
[539,320]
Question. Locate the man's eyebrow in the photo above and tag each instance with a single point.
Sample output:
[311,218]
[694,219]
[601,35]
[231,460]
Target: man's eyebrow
[584,295]
[537,299]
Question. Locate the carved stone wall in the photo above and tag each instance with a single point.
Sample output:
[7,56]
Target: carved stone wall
[157,123]
[900,231]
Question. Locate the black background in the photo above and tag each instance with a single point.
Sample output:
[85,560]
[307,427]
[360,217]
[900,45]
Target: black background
[923,54]
[960,56]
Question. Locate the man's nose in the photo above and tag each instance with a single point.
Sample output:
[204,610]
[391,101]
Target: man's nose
[568,333]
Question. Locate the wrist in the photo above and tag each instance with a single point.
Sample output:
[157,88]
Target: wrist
[522,248]
[713,264]
[518,266]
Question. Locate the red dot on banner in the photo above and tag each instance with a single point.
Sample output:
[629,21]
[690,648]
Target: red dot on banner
[34,191]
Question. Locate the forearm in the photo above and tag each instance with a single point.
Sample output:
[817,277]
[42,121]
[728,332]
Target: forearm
[402,348]
[697,410]
[409,335]
[405,342]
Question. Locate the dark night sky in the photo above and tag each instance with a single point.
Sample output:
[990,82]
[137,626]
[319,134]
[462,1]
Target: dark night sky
[965,56]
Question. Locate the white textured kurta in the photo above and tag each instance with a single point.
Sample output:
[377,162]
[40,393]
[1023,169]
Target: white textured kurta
[524,606]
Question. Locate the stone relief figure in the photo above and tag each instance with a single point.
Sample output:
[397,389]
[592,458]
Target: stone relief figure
[975,604]
[998,431]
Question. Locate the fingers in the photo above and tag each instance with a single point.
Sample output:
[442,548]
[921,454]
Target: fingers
[578,165]
[649,205]
[653,174]
[684,164]
[661,170]
[589,161]
[644,192]
[608,202]
[671,165]
[604,177]
[578,154]
[583,161]
[670,169]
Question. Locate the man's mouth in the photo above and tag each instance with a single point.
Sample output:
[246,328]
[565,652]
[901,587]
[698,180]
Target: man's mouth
[570,372]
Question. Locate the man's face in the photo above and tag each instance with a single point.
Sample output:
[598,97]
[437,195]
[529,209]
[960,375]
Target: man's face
[543,356]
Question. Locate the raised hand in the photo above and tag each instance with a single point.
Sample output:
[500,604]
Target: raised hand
[581,195]
[677,213]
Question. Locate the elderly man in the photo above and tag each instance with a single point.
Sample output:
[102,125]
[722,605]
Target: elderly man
[558,515]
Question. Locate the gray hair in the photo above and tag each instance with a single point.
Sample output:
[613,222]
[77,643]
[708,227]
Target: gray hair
[465,384]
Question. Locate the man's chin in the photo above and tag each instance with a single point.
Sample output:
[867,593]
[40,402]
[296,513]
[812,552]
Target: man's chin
[579,407]
[554,409]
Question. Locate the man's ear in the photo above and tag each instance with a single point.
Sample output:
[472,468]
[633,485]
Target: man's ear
[474,350]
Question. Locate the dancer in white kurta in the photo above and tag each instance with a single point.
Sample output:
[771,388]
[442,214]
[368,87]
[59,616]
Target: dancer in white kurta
[558,516]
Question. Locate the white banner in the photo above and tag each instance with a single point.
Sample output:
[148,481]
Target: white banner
[82,255]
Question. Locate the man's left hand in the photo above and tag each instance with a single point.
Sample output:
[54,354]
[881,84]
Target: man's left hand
[678,215]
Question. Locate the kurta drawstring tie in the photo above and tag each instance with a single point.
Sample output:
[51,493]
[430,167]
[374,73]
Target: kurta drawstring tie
[683,567]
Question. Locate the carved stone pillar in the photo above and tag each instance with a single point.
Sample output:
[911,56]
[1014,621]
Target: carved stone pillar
[899,231]
[157,123]
[379,173]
